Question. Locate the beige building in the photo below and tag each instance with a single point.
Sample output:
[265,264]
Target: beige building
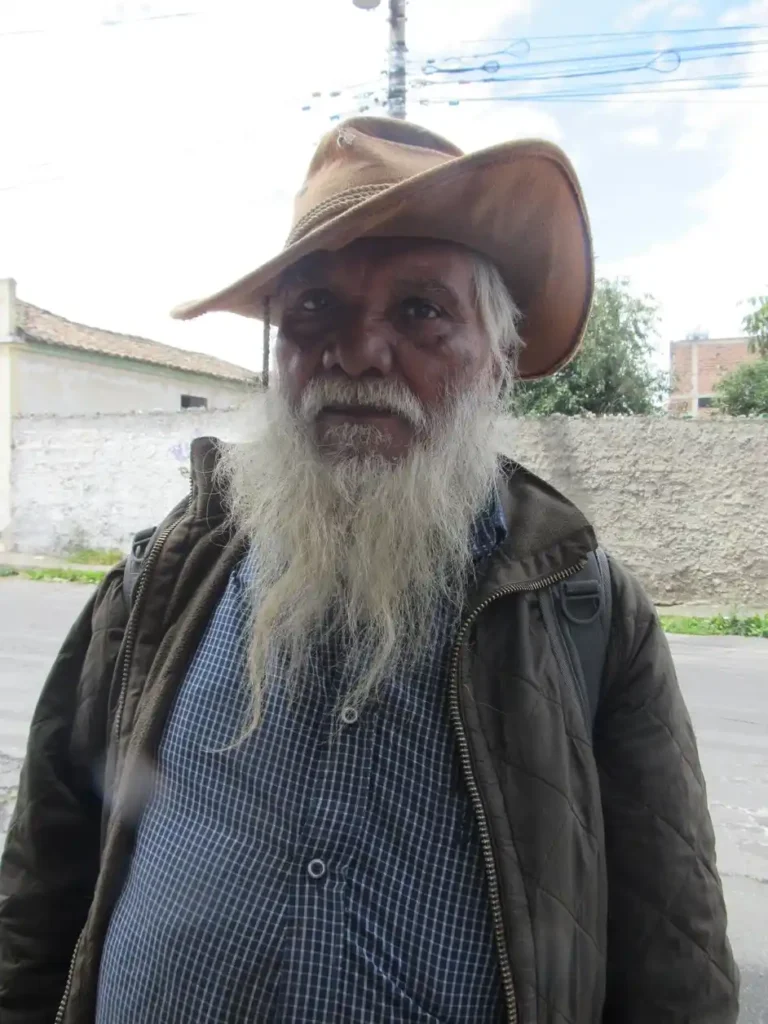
[50,366]
[697,364]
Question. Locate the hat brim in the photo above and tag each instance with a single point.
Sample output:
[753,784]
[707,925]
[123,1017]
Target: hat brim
[519,204]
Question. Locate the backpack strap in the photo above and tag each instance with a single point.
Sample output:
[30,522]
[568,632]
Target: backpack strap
[577,613]
[584,605]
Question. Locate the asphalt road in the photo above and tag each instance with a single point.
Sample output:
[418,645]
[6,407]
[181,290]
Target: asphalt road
[725,681]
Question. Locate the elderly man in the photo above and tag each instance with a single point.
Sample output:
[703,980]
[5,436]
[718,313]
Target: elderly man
[327,758]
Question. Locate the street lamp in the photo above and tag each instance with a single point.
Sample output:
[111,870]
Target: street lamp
[366,5]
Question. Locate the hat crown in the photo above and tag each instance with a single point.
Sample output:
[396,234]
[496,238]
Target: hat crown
[359,158]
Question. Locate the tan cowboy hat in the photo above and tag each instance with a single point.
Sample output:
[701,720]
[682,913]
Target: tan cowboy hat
[519,204]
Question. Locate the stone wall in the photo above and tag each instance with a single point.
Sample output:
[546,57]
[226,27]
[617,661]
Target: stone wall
[683,503]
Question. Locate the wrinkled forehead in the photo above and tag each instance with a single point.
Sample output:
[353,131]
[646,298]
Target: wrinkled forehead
[382,258]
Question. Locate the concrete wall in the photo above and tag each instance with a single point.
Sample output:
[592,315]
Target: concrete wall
[93,481]
[7,404]
[53,381]
[682,502]
[6,421]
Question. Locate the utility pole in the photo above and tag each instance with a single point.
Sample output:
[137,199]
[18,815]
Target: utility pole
[396,93]
[397,86]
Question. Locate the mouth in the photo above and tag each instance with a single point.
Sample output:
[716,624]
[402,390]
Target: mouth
[357,412]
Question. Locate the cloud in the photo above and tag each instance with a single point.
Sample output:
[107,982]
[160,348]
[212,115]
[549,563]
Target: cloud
[436,25]
[741,14]
[704,275]
[645,9]
[177,173]
[161,185]
[645,136]
[641,11]
[475,126]
[686,12]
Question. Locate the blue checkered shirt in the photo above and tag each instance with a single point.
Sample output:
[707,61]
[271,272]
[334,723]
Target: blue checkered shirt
[305,876]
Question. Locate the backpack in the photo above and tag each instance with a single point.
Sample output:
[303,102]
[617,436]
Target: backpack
[576,611]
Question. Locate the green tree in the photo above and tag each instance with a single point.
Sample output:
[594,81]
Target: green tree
[744,391]
[755,324]
[613,373]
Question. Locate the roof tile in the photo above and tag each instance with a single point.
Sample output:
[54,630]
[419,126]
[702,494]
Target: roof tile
[39,325]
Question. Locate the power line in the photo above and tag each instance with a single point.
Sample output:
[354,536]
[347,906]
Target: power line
[106,23]
[574,95]
[594,75]
[584,36]
[642,60]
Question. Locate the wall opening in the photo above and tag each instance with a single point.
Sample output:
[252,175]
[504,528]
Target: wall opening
[193,402]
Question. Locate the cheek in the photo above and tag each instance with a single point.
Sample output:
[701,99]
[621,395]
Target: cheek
[295,368]
[453,365]
[476,363]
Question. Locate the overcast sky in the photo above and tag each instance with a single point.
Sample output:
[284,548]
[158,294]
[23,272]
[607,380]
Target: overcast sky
[150,161]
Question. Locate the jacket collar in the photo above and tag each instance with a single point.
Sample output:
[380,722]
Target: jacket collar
[546,533]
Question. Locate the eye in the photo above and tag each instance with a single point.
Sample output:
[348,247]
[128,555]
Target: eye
[419,309]
[315,301]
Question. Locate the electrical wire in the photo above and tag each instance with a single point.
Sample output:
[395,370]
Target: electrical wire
[596,75]
[642,59]
[102,23]
[576,95]
[583,37]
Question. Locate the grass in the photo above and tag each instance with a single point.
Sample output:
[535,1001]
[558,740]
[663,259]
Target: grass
[94,556]
[65,575]
[55,575]
[719,625]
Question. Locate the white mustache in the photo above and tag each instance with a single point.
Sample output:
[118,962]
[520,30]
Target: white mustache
[388,395]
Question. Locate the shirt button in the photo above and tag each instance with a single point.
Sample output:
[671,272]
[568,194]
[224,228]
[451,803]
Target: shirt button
[349,715]
[316,868]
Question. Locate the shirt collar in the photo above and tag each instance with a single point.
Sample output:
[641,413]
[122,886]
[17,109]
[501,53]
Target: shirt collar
[490,529]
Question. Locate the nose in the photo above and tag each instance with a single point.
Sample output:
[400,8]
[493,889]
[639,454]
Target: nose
[364,349]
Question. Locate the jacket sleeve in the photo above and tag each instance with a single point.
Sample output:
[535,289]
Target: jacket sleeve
[669,959]
[50,862]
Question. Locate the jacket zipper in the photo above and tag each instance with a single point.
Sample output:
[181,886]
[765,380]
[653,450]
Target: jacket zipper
[130,629]
[65,998]
[484,831]
[130,639]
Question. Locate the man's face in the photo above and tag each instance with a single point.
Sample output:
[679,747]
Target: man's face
[387,311]
[372,460]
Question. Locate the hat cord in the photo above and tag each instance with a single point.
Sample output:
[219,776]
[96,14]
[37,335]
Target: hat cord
[265,345]
[338,203]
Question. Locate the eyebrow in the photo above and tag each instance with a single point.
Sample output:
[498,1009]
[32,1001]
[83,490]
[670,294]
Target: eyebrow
[426,286]
[298,277]
[311,276]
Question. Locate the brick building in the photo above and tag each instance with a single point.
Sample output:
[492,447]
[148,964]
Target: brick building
[697,364]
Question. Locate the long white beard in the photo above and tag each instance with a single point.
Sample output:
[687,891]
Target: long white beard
[359,545]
